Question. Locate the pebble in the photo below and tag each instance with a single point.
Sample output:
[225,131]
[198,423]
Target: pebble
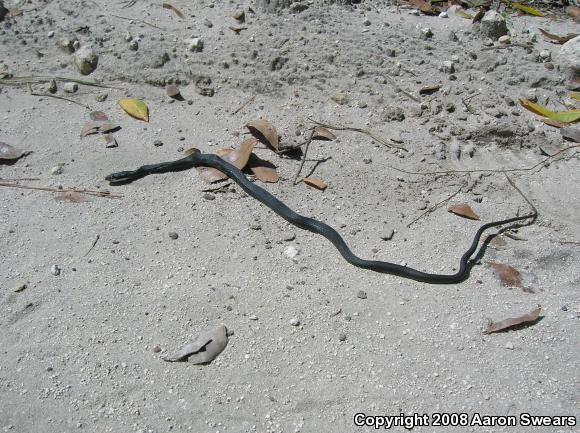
[195,44]
[443,15]
[50,34]
[388,234]
[294,321]
[426,33]
[56,170]
[361,294]
[86,60]
[545,55]
[55,270]
[208,23]
[156,348]
[367,22]
[173,235]
[509,345]
[70,87]
[133,45]
[253,317]
[20,288]
[505,40]
[51,86]
[101,97]
[157,143]
[342,336]
[291,251]
[493,25]
[448,67]
[209,196]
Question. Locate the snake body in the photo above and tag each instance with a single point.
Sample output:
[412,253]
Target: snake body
[197,158]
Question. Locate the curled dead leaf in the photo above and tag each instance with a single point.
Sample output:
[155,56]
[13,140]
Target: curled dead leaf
[264,131]
[315,183]
[429,90]
[110,140]
[321,133]
[557,39]
[205,348]
[463,210]
[508,275]
[264,171]
[528,318]
[9,152]
[99,116]
[174,9]
[90,128]
[237,157]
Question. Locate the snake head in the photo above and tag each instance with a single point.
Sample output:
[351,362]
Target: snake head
[121,176]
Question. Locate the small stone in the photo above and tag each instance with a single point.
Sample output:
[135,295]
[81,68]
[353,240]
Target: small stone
[488,42]
[209,196]
[51,86]
[295,321]
[50,34]
[342,336]
[256,226]
[564,308]
[55,270]
[86,60]
[133,45]
[388,234]
[366,22]
[240,16]
[291,251]
[532,94]
[426,33]
[504,40]
[493,25]
[443,15]
[361,294]
[207,23]
[56,170]
[448,67]
[453,37]
[340,98]
[288,237]
[509,345]
[253,317]
[390,52]
[568,58]
[173,235]
[195,44]
[70,87]
[101,97]
[414,12]
[157,143]
[66,44]
[156,348]
[20,288]
[545,55]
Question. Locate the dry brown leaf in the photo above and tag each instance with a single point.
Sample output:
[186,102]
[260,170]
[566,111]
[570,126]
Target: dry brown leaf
[321,133]
[508,275]
[108,127]
[210,174]
[264,131]
[110,140]
[530,318]
[574,12]
[463,210]
[71,197]
[90,128]
[553,122]
[174,9]
[315,182]
[557,39]
[9,152]
[239,157]
[99,116]
[423,6]
[264,171]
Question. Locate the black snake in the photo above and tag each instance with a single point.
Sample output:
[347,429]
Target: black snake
[197,158]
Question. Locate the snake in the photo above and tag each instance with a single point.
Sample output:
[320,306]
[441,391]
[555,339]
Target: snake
[198,159]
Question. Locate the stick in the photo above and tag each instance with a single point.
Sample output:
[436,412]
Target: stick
[57,97]
[400,89]
[135,19]
[38,78]
[436,206]
[244,104]
[303,157]
[92,246]
[361,130]
[105,194]
[504,170]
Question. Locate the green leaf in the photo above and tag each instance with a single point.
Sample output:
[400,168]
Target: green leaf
[526,9]
[559,116]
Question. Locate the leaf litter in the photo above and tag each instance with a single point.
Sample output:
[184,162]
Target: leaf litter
[525,319]
[463,210]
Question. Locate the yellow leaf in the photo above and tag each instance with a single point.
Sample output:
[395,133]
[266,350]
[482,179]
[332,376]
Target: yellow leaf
[526,9]
[135,108]
[575,95]
[560,116]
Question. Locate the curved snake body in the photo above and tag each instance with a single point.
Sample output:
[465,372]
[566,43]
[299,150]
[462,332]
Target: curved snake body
[198,159]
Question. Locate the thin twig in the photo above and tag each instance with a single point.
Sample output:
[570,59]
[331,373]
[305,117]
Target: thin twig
[501,47]
[57,97]
[105,194]
[436,206]
[400,89]
[303,157]
[361,130]
[42,78]
[20,179]
[136,19]
[499,170]
[92,246]
[244,104]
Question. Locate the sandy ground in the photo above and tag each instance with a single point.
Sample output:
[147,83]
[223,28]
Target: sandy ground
[77,349]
